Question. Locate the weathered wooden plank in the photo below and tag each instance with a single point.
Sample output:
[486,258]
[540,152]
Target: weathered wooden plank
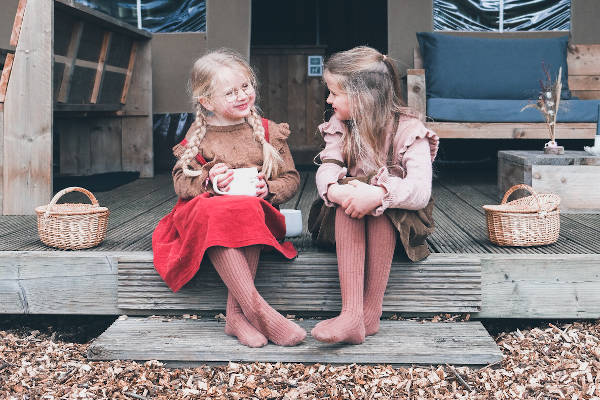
[72,50]
[309,194]
[6,75]
[296,99]
[582,82]
[586,94]
[130,66]
[55,283]
[28,178]
[310,283]
[196,342]
[540,286]
[416,91]
[484,130]
[583,59]
[16,30]
[572,183]
[137,148]
[100,67]
[293,202]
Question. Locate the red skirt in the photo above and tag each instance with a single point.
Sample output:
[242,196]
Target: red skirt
[182,236]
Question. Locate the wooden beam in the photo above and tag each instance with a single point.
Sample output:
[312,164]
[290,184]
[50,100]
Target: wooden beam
[584,82]
[100,69]
[130,67]
[417,59]
[16,31]
[415,80]
[583,59]
[484,130]
[89,64]
[69,62]
[6,75]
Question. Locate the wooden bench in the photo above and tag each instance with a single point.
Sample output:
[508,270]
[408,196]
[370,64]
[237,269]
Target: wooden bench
[584,82]
[79,92]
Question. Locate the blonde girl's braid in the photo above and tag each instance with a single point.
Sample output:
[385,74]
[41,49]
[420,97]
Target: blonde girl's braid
[193,147]
[271,158]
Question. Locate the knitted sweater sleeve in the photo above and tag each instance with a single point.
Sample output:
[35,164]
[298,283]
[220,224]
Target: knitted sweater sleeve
[186,186]
[411,192]
[285,185]
[328,172]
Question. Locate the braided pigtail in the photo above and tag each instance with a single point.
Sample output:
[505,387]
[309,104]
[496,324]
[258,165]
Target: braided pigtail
[192,148]
[271,158]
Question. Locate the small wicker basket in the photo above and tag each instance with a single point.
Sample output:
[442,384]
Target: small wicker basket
[529,221]
[72,226]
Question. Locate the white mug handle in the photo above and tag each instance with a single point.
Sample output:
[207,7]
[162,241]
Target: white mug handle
[215,186]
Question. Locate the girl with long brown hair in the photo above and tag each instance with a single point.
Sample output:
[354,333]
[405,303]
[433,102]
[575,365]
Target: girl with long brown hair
[375,176]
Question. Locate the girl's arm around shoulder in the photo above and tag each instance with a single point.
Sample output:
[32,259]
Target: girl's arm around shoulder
[415,148]
[186,186]
[285,185]
[330,172]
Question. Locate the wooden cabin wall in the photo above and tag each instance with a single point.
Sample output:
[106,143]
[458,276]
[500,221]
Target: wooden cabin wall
[287,94]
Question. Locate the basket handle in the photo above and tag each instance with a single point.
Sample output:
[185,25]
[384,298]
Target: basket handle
[68,190]
[526,187]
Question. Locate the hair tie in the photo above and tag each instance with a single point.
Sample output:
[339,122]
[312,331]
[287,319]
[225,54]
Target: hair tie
[384,57]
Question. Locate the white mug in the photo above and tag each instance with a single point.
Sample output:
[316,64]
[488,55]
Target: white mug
[293,222]
[244,182]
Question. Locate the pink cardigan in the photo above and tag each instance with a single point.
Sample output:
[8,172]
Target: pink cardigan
[407,181]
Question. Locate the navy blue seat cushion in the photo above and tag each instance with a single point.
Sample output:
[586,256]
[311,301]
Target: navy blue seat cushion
[482,68]
[477,110]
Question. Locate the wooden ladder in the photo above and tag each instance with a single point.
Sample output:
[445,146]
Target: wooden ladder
[307,285]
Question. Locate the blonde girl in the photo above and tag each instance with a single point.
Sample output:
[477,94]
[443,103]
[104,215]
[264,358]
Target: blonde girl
[376,175]
[229,133]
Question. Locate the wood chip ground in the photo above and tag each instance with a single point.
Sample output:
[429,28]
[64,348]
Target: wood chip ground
[547,362]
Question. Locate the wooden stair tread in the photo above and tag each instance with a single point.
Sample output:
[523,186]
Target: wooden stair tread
[441,283]
[188,343]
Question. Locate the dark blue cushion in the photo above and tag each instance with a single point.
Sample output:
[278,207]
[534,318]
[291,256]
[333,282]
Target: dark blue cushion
[481,68]
[477,110]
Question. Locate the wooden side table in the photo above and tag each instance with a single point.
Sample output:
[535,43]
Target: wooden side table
[574,176]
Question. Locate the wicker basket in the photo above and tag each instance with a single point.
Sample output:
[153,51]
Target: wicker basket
[71,226]
[529,221]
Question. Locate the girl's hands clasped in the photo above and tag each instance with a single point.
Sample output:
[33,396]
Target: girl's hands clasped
[356,198]
[363,199]
[262,189]
[224,181]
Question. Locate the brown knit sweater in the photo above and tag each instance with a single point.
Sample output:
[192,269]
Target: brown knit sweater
[235,146]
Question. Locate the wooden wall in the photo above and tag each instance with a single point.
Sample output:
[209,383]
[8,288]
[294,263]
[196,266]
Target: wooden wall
[288,94]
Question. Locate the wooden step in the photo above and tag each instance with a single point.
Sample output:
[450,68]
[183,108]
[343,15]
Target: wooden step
[190,343]
[441,283]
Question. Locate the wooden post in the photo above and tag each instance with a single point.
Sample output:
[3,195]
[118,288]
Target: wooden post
[27,174]
[137,151]
[416,91]
[6,76]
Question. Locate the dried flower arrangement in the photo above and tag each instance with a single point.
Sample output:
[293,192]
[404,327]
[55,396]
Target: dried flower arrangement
[547,103]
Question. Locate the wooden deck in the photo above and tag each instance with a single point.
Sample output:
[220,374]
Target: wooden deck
[557,281]
[137,207]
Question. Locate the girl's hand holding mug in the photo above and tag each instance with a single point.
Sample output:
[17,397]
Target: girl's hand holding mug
[363,200]
[219,169]
[262,189]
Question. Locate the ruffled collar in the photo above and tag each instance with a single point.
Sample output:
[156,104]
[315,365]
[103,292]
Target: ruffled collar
[334,125]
